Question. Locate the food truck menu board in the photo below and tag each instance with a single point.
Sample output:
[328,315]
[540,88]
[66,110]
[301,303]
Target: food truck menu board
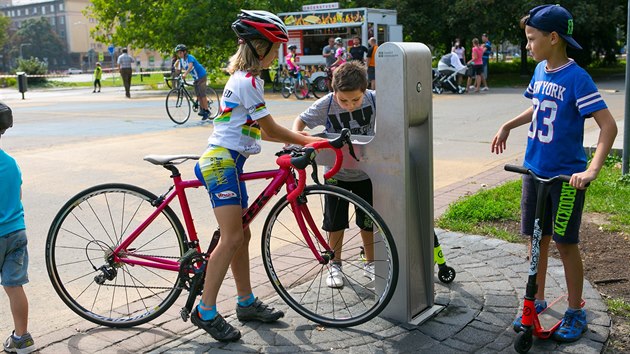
[324,18]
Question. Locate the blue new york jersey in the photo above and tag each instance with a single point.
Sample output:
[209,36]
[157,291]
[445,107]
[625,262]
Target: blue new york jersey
[562,98]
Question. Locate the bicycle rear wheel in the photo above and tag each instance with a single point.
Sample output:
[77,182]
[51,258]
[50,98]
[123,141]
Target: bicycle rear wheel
[214,105]
[79,256]
[300,279]
[287,88]
[178,106]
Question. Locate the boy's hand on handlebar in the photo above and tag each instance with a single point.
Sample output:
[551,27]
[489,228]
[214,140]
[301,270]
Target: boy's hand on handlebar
[582,179]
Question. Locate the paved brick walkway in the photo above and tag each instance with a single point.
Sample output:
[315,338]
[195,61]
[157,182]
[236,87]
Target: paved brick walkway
[480,306]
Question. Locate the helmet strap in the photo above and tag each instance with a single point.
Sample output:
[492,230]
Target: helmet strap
[251,46]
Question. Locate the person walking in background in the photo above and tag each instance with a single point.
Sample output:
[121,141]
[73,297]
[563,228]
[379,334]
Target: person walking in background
[487,53]
[329,52]
[98,73]
[459,49]
[477,63]
[124,67]
[371,69]
[563,96]
[358,52]
[340,53]
[13,251]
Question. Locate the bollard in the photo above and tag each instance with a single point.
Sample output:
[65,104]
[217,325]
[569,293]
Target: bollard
[399,161]
[22,82]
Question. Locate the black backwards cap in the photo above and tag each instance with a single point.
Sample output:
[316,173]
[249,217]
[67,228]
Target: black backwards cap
[553,18]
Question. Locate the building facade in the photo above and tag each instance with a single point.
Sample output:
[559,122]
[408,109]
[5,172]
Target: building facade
[68,21]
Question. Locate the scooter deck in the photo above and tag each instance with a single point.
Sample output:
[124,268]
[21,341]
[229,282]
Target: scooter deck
[551,317]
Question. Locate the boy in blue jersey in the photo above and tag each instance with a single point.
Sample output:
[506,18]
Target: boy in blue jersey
[562,95]
[13,252]
[188,64]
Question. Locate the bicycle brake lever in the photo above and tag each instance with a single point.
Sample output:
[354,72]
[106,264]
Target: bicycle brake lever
[314,173]
[351,148]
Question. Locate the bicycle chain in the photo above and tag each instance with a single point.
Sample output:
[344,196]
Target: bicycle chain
[148,287]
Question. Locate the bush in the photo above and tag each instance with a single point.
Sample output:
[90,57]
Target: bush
[33,66]
[8,82]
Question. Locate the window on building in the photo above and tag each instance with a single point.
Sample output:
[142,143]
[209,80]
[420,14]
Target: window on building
[62,20]
[52,8]
[52,21]
[43,10]
[60,7]
[62,34]
[19,12]
[25,12]
[34,10]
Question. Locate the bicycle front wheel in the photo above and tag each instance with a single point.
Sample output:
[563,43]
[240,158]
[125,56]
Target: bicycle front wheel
[214,105]
[320,87]
[301,88]
[178,106]
[299,278]
[80,256]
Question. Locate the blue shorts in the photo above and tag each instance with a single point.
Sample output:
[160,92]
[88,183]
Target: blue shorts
[218,169]
[563,213]
[14,259]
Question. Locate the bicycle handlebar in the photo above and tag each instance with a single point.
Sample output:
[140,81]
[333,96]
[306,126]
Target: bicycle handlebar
[300,159]
[526,171]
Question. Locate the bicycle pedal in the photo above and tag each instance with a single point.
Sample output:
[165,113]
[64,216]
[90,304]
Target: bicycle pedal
[185,314]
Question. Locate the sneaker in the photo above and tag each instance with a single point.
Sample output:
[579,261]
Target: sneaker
[485,88]
[368,270]
[218,328]
[335,276]
[93,91]
[572,327]
[471,87]
[517,325]
[24,345]
[258,312]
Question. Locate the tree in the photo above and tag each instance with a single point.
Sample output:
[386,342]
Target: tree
[45,44]
[204,26]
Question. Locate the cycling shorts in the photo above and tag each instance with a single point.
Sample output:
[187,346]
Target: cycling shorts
[219,170]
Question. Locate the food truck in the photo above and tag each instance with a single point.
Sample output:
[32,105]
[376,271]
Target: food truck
[309,30]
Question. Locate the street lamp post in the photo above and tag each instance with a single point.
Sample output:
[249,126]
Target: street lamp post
[22,46]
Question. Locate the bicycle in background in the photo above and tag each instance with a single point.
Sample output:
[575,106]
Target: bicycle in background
[180,102]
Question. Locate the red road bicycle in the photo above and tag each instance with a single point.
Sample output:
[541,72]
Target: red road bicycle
[119,256]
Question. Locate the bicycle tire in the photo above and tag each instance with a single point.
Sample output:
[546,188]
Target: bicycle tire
[214,103]
[178,106]
[301,88]
[287,88]
[277,82]
[300,279]
[319,87]
[82,235]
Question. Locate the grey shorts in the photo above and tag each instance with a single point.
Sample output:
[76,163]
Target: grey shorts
[563,213]
[200,86]
[14,259]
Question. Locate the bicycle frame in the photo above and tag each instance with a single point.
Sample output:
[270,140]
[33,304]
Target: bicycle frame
[279,177]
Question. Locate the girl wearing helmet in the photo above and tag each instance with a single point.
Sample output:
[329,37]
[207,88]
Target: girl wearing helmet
[237,132]
[294,70]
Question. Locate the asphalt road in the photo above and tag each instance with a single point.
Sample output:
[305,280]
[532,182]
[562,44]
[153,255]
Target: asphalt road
[68,140]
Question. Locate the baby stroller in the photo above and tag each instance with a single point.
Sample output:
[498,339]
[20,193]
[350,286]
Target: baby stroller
[445,78]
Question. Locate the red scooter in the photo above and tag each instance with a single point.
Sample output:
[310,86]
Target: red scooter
[545,323]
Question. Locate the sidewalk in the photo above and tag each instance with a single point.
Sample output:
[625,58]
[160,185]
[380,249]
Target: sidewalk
[480,306]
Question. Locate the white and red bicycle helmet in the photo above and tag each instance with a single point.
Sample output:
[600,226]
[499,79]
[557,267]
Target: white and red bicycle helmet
[256,24]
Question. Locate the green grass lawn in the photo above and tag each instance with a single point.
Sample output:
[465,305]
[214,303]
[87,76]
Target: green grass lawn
[608,194]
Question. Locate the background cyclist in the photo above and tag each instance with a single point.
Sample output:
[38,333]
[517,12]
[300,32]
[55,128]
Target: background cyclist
[188,64]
